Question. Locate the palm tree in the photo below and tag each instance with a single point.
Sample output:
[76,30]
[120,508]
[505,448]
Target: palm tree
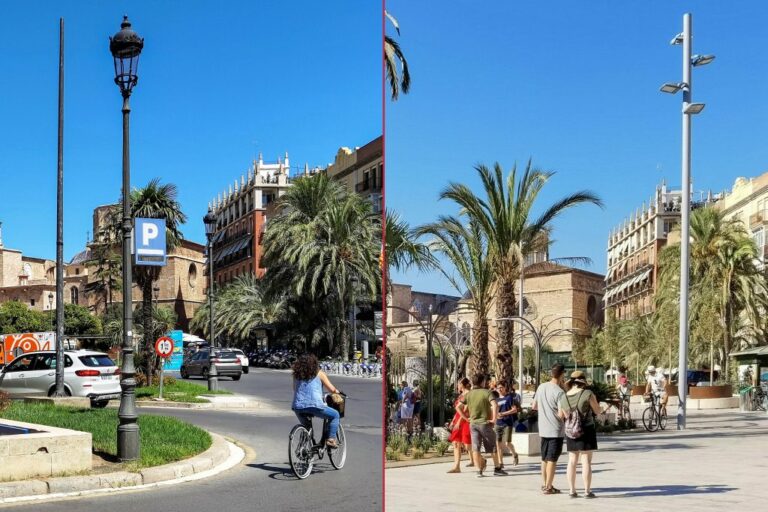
[323,240]
[725,275]
[467,249]
[505,216]
[394,58]
[403,249]
[240,308]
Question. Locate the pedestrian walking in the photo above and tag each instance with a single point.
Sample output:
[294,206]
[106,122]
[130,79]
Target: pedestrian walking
[417,406]
[406,407]
[482,409]
[459,427]
[578,408]
[551,431]
[509,405]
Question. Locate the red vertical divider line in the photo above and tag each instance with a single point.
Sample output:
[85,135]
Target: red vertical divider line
[383,259]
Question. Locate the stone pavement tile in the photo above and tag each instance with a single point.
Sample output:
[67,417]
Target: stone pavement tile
[718,462]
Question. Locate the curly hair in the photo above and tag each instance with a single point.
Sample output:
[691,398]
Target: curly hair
[305,367]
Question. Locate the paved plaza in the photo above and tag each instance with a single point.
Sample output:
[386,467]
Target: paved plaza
[720,461]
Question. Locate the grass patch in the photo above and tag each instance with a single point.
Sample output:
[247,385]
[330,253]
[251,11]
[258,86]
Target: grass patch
[163,439]
[179,391]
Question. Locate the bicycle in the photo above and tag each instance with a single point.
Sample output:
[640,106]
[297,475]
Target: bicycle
[303,450]
[655,415]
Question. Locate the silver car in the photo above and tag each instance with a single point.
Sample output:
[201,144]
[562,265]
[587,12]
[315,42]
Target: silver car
[226,361]
[87,374]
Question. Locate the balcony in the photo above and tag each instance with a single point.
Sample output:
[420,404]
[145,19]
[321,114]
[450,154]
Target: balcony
[756,220]
[368,186]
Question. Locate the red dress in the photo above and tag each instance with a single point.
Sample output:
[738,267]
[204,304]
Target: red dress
[460,432]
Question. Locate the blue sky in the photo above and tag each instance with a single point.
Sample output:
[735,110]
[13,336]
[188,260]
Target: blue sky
[218,82]
[575,87]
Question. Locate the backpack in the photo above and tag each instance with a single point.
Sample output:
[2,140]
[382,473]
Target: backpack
[573,421]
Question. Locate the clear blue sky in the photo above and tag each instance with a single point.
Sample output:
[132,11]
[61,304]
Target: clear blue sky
[575,86]
[218,82]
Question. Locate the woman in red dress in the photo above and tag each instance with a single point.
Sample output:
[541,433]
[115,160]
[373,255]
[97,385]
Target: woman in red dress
[459,428]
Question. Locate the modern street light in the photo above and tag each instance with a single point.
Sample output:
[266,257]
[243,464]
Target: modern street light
[210,228]
[59,389]
[125,48]
[689,109]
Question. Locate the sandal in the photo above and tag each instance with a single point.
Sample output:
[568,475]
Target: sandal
[573,494]
[590,494]
[517,460]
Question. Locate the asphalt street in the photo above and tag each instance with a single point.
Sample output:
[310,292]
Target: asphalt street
[264,480]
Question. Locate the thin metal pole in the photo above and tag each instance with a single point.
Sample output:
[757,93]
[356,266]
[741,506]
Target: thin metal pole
[522,332]
[60,227]
[682,384]
[128,431]
[213,373]
[430,416]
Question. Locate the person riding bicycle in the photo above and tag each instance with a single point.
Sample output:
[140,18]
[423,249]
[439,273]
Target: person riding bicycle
[623,393]
[308,382]
[657,384]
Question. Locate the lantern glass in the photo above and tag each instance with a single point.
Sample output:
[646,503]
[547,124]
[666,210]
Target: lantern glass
[126,47]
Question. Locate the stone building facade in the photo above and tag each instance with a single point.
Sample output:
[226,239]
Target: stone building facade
[361,170]
[557,298]
[242,213]
[747,201]
[181,284]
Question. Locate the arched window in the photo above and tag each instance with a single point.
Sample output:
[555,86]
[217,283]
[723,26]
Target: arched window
[73,295]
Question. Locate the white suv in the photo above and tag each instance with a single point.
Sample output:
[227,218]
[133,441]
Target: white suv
[86,373]
[242,358]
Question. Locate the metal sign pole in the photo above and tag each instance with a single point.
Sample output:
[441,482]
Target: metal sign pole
[162,366]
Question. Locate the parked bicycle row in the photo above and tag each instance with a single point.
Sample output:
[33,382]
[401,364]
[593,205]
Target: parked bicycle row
[364,369]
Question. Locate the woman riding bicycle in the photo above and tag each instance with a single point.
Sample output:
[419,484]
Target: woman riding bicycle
[308,382]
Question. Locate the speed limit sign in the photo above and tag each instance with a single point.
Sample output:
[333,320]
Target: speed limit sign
[164,347]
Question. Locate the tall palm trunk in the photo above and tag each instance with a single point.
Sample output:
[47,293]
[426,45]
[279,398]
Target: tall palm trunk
[146,306]
[478,363]
[506,307]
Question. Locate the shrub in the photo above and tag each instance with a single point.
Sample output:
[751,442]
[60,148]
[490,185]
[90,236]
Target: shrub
[5,401]
[442,447]
[418,453]
[141,380]
[393,454]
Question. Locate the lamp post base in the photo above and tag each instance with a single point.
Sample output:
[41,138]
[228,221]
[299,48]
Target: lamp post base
[128,447]
[213,378]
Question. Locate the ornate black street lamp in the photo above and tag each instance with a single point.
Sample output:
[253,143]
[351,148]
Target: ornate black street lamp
[126,47]
[210,229]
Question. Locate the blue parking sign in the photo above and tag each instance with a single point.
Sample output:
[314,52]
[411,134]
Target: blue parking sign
[149,242]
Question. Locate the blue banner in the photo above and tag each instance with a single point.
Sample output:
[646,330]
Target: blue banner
[174,362]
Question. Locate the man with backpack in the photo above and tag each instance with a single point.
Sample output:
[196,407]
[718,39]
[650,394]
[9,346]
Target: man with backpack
[551,431]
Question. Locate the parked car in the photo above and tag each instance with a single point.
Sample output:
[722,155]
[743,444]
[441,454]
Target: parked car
[242,358]
[226,361]
[87,374]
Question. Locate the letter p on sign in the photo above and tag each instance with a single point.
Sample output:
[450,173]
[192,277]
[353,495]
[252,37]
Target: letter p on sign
[150,242]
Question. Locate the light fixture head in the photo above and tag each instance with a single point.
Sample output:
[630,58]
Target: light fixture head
[210,223]
[678,39]
[671,87]
[693,108]
[701,60]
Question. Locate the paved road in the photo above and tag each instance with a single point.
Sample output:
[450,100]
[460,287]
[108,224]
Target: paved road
[265,482]
[718,463]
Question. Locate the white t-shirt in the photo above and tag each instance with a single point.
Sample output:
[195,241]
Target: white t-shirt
[657,382]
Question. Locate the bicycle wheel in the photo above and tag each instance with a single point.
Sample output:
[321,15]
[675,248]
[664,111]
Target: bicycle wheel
[663,419]
[649,419]
[338,456]
[300,453]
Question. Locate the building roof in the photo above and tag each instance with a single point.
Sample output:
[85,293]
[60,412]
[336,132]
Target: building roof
[81,257]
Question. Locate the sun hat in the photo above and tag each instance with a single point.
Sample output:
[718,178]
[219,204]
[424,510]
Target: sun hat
[578,376]
[651,368]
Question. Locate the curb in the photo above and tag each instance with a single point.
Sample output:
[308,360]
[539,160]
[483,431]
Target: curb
[222,455]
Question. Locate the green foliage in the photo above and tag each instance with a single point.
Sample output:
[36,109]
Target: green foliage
[17,317]
[442,447]
[78,320]
[403,250]
[393,455]
[601,390]
[398,75]
[5,401]
[418,453]
[399,442]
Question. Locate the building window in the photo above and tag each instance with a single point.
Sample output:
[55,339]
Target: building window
[759,237]
[192,276]
[32,302]
[73,292]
